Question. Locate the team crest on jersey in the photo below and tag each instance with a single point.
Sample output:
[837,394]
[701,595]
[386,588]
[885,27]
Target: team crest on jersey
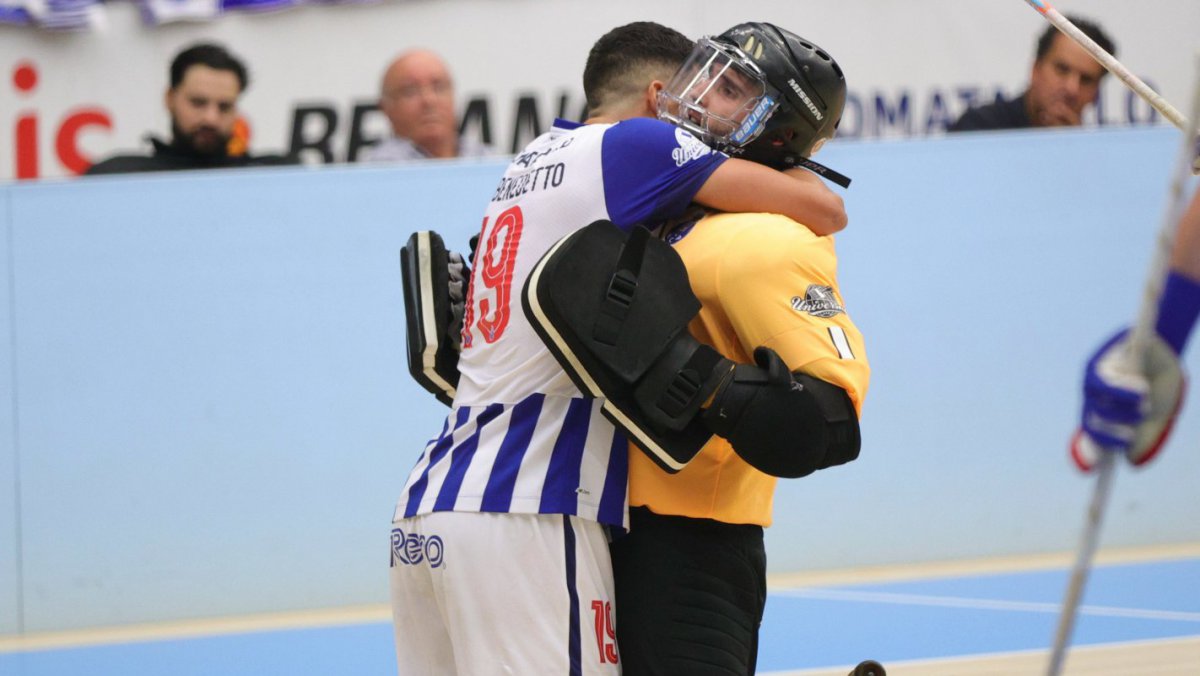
[818,301]
[689,148]
[675,234]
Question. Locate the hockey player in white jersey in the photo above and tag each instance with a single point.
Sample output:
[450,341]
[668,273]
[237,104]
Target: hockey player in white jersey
[499,553]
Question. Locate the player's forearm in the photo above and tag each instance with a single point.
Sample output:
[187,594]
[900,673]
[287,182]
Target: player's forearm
[741,186]
[1179,304]
[1185,259]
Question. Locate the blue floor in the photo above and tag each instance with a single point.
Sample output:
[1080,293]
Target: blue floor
[804,628]
[938,618]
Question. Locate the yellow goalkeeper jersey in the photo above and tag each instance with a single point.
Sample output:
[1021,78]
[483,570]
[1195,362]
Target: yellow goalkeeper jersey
[766,280]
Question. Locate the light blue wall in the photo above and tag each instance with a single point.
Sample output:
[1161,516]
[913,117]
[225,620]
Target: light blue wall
[9,536]
[982,270]
[215,418]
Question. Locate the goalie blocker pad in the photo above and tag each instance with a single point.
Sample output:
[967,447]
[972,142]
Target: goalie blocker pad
[609,305]
[432,359]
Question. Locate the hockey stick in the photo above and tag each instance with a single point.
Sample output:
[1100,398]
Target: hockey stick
[1139,337]
[1110,62]
[1083,562]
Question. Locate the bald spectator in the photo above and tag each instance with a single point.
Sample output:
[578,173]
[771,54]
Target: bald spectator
[417,96]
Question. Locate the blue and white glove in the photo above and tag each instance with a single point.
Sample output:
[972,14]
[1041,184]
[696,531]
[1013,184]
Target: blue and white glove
[1126,410]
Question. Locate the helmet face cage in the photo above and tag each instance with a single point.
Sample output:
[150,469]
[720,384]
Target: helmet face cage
[807,84]
[720,95]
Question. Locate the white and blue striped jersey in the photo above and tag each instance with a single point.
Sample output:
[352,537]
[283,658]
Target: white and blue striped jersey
[520,437]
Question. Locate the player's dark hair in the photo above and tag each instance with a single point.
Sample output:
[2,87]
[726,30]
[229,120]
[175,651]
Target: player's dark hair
[1088,28]
[211,55]
[623,55]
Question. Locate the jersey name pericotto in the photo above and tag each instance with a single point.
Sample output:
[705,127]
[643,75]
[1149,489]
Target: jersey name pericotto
[520,437]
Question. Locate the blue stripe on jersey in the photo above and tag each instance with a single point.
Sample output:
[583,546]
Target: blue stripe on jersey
[652,170]
[435,450]
[576,635]
[559,494]
[497,495]
[612,500]
[460,460]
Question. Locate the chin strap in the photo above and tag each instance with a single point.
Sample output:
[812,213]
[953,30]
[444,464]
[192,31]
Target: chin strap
[824,172]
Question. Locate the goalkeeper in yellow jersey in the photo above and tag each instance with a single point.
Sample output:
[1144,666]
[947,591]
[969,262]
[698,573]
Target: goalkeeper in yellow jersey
[742,369]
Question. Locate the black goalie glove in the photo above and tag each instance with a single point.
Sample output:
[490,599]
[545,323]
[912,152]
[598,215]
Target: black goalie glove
[782,423]
[435,284]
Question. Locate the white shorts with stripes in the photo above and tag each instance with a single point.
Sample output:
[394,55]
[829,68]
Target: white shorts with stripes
[477,593]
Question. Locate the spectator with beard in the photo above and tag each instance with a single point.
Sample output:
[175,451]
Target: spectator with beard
[1063,82]
[206,82]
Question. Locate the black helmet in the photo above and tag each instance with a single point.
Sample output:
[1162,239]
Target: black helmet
[759,92]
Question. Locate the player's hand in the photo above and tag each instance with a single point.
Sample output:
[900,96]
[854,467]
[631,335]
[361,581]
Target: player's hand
[1126,409]
[1114,395]
[1060,113]
[474,244]
[834,209]
[459,277]
[1061,109]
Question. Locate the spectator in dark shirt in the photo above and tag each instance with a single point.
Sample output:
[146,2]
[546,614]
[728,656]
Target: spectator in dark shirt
[1065,80]
[206,82]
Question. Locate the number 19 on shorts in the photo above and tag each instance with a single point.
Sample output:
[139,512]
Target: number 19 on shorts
[606,635]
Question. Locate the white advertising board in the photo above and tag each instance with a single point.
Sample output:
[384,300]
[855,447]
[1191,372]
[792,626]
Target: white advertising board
[67,99]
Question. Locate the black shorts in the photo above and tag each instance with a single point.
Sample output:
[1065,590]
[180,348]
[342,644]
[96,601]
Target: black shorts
[690,596]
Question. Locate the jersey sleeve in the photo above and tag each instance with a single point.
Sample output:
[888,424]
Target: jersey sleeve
[652,170]
[779,289]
